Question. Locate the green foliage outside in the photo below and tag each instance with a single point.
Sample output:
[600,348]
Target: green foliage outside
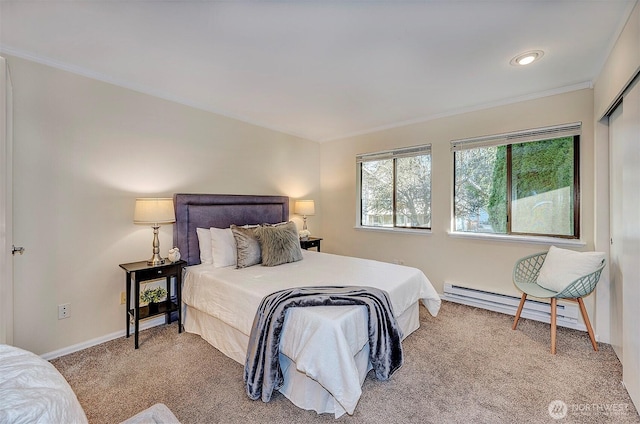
[480,185]
[537,167]
[497,207]
[481,179]
[474,180]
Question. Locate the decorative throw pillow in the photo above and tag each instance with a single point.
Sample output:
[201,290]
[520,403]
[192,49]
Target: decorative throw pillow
[224,247]
[204,242]
[562,267]
[279,243]
[247,246]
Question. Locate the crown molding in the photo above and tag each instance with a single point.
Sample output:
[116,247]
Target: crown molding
[460,111]
[176,99]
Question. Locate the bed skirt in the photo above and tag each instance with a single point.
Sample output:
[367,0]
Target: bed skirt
[301,390]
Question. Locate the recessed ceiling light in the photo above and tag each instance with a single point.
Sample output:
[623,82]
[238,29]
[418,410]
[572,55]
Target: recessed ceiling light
[527,58]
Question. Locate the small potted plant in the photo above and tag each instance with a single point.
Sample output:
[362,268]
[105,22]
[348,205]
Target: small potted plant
[152,296]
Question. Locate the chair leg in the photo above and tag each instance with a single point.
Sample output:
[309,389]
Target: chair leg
[585,317]
[554,301]
[519,311]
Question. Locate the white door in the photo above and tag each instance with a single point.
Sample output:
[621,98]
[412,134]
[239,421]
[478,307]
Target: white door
[6,205]
[631,243]
[616,159]
[624,145]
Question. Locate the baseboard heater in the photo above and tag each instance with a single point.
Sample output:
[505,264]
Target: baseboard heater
[568,314]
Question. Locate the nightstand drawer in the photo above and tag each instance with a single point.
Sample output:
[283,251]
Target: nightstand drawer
[311,242]
[148,274]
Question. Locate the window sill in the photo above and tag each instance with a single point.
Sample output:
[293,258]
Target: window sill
[556,241]
[415,231]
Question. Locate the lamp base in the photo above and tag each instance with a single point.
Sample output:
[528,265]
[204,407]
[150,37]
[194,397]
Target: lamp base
[156,260]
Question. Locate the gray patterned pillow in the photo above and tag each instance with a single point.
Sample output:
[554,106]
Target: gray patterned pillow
[279,243]
[247,246]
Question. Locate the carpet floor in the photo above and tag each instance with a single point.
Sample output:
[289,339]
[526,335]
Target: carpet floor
[464,366]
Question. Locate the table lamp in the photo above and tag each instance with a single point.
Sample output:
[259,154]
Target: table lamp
[304,208]
[154,212]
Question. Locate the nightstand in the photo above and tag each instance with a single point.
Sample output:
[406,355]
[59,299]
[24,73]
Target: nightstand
[140,272]
[311,242]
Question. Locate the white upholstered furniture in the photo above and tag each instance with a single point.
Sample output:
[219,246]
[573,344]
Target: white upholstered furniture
[33,391]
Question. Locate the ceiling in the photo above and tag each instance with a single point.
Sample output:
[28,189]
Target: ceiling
[322,70]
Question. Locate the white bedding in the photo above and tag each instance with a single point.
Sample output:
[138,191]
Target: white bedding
[33,391]
[340,333]
[232,296]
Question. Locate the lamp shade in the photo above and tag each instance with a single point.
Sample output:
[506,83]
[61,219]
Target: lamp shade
[154,211]
[304,207]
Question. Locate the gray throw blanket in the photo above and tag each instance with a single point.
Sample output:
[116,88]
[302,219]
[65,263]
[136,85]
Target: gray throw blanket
[262,373]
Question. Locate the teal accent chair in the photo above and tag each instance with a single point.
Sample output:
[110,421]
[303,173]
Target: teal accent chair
[525,275]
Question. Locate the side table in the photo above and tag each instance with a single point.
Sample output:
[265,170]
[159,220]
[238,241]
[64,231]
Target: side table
[311,242]
[140,272]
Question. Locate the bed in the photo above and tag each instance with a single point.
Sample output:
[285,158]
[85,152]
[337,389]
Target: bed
[324,351]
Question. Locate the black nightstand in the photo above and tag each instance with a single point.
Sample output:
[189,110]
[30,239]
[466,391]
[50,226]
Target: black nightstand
[310,242]
[141,272]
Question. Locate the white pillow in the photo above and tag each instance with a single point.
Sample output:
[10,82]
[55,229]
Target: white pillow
[204,242]
[562,267]
[223,245]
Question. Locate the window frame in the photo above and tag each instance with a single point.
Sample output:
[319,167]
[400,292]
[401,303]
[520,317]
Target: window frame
[509,139]
[393,154]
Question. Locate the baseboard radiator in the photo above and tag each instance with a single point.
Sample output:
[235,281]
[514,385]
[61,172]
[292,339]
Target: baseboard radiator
[568,314]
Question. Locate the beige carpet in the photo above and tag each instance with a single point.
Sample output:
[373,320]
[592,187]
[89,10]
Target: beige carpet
[464,366]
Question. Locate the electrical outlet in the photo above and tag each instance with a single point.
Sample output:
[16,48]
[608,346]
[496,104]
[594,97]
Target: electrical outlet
[64,310]
[123,298]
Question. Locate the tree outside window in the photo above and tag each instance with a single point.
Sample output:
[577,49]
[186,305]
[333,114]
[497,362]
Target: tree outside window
[395,188]
[525,188]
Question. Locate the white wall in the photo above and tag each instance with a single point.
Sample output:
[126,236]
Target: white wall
[621,67]
[6,204]
[482,264]
[84,150]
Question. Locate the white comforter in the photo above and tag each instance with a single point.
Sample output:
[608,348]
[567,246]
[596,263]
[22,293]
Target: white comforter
[33,391]
[340,333]
[233,296]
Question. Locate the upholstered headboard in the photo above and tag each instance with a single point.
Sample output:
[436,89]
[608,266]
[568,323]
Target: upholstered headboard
[220,211]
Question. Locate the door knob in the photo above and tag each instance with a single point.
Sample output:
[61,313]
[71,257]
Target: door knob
[19,250]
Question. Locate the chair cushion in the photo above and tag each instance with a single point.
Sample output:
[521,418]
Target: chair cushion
[562,267]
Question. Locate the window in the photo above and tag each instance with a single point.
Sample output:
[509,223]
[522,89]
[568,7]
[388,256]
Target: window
[524,183]
[395,188]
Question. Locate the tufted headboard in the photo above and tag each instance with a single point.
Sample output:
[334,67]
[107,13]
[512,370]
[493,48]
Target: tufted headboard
[220,211]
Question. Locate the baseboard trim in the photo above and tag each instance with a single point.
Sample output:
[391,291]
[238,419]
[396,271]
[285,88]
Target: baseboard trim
[160,320]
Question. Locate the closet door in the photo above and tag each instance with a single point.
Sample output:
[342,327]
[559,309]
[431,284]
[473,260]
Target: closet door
[624,259]
[616,158]
[631,242]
